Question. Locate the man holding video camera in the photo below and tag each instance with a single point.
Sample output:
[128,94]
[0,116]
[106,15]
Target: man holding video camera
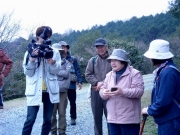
[41,64]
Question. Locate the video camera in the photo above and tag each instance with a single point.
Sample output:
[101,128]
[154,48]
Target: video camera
[44,50]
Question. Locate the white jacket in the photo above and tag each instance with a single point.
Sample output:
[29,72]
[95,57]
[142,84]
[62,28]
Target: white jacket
[34,76]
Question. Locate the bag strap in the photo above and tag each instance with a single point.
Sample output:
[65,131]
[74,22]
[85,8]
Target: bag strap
[94,62]
[171,66]
[176,102]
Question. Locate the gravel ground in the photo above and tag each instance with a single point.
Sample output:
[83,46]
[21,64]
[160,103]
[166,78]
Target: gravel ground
[12,117]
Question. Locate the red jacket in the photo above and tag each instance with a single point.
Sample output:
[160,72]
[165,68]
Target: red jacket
[5,64]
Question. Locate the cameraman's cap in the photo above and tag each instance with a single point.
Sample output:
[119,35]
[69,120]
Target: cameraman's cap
[119,54]
[57,46]
[63,43]
[100,42]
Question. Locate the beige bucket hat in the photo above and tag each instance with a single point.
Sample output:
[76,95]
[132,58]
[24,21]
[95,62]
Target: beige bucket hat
[119,54]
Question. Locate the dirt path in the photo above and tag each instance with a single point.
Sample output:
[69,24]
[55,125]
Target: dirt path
[21,102]
[15,103]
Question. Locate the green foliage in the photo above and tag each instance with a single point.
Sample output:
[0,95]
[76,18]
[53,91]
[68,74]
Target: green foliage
[84,45]
[83,49]
[174,8]
[15,82]
[134,55]
[139,31]
[15,87]
[133,35]
[136,29]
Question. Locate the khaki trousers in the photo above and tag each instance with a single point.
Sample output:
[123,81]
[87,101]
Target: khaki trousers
[59,115]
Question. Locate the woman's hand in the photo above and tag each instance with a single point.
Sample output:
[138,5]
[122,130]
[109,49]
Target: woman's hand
[116,92]
[110,93]
[106,93]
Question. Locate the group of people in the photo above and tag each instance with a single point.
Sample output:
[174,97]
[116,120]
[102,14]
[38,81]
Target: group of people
[116,88]
[49,81]
[116,91]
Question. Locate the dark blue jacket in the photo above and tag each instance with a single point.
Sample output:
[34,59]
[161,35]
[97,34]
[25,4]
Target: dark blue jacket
[77,71]
[166,87]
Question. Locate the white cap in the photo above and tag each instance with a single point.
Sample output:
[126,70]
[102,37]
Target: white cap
[57,46]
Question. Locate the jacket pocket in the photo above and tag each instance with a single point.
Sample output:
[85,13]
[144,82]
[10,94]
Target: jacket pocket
[30,86]
[53,85]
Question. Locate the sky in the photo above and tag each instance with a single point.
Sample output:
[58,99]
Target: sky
[63,15]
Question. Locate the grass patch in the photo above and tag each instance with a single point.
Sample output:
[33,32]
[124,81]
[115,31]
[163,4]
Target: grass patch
[150,127]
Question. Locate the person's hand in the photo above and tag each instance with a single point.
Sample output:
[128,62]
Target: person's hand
[79,86]
[2,76]
[144,111]
[117,92]
[106,93]
[110,93]
[99,84]
[35,53]
[51,61]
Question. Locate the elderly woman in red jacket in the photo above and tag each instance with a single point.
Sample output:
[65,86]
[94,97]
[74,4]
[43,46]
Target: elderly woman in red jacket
[5,68]
[123,87]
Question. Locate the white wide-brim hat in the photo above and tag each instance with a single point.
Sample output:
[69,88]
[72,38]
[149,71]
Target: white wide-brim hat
[119,54]
[57,46]
[159,49]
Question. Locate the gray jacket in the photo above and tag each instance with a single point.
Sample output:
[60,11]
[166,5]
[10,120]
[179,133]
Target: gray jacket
[63,75]
[96,71]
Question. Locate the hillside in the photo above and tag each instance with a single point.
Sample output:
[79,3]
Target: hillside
[132,35]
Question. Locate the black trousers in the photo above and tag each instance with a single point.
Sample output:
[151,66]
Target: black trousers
[72,100]
[98,106]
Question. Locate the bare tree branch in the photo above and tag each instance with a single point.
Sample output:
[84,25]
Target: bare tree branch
[9,28]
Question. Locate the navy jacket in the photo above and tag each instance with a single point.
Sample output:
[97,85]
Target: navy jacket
[166,87]
[77,71]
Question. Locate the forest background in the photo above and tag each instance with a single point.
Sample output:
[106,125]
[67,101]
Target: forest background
[133,35]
